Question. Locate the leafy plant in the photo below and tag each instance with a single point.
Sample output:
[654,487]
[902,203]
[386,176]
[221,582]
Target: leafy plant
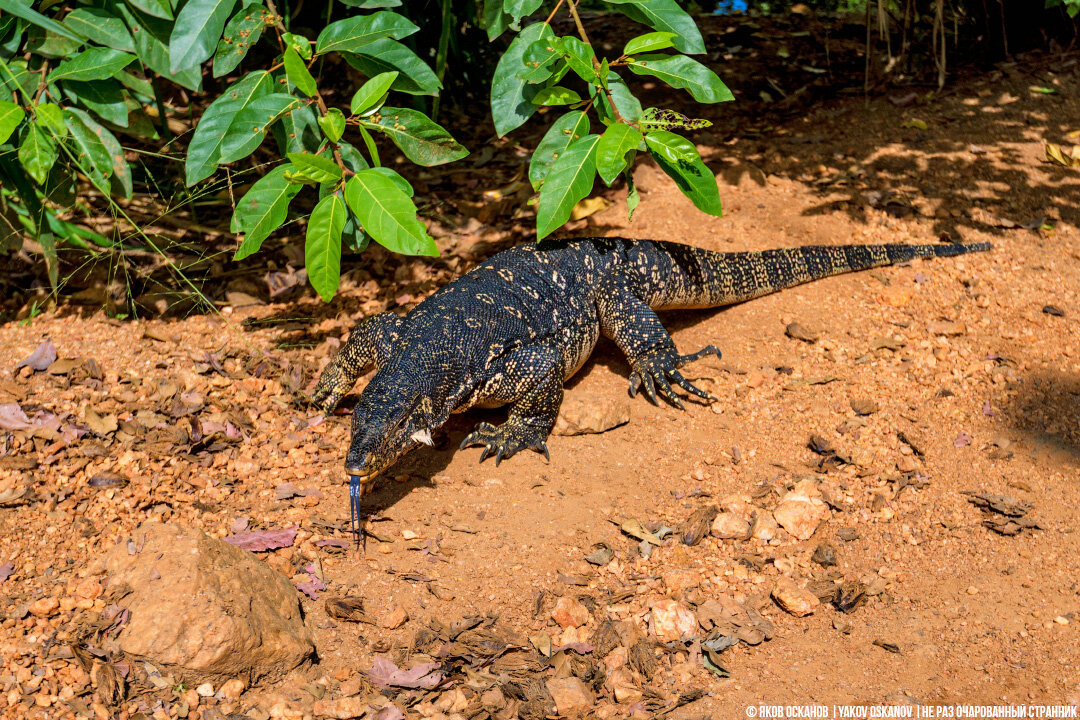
[82,72]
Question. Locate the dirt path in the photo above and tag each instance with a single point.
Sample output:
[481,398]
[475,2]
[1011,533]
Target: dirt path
[971,368]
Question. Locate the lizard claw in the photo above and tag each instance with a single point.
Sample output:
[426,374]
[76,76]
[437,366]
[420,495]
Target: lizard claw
[505,441]
[332,386]
[655,371]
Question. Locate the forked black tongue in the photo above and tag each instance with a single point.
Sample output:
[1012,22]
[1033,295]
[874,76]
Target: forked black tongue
[354,508]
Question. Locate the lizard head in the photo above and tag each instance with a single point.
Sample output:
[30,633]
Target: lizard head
[390,419]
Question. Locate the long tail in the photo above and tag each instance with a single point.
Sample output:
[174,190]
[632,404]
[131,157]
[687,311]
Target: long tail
[693,277]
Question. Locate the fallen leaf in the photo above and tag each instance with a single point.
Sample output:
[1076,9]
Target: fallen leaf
[587,207]
[41,358]
[6,569]
[914,123]
[349,609]
[635,529]
[100,424]
[262,540]
[384,673]
[12,417]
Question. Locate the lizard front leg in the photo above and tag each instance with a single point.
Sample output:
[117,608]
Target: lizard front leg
[530,380]
[369,345]
[654,360]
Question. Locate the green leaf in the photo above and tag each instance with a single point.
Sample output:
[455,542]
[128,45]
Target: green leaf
[50,117]
[423,141]
[649,42]
[495,20]
[262,210]
[659,119]
[197,30]
[385,55]
[352,34]
[298,131]
[90,152]
[578,55]
[151,37]
[299,43]
[371,4]
[104,150]
[678,157]
[556,95]
[511,96]
[372,93]
[682,72]
[250,124]
[333,124]
[241,33]
[352,158]
[50,45]
[104,97]
[11,115]
[19,10]
[633,197]
[17,78]
[315,168]
[322,249]
[103,26]
[204,150]
[518,9]
[388,214]
[397,179]
[569,181]
[628,105]
[92,64]
[155,8]
[298,73]
[616,150]
[37,153]
[564,131]
[666,16]
[52,261]
[540,60]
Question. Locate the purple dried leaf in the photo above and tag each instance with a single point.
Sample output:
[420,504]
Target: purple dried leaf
[390,712]
[384,673]
[263,540]
[962,440]
[12,417]
[285,490]
[41,358]
[6,570]
[312,587]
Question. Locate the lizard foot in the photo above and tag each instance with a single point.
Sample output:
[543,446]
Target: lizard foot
[332,386]
[655,371]
[505,440]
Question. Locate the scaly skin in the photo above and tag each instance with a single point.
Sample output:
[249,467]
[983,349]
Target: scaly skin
[512,330]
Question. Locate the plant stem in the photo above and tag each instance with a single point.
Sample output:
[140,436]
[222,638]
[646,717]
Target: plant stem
[572,7]
[166,133]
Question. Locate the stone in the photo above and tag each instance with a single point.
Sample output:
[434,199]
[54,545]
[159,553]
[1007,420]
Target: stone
[205,690]
[729,526]
[203,607]
[796,600]
[569,613]
[570,695]
[802,510]
[45,607]
[232,689]
[765,527]
[679,580]
[342,708]
[671,620]
[585,412]
[795,331]
[621,682]
[395,618]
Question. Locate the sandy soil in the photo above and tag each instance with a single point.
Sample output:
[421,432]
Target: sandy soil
[976,383]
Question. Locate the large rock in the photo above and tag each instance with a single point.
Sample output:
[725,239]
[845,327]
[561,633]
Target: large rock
[585,412]
[802,510]
[199,605]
